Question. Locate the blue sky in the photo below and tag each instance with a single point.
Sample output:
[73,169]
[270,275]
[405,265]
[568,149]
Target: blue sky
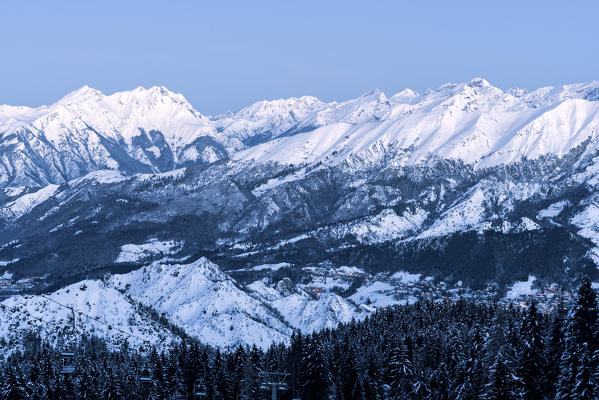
[227,54]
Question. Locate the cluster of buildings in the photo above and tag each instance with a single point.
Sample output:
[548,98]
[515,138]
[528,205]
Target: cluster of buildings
[11,286]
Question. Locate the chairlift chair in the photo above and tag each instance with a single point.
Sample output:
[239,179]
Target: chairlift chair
[130,383]
[145,377]
[199,389]
[68,362]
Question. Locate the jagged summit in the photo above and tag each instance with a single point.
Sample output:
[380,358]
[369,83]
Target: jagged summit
[478,82]
[376,93]
[84,93]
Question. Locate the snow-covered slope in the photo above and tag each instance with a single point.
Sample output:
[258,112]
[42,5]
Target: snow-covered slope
[485,178]
[204,301]
[473,122]
[210,305]
[99,310]
[305,312]
[266,120]
[466,185]
[197,297]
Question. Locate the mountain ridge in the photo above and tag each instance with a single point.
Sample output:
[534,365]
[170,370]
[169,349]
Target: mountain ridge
[155,130]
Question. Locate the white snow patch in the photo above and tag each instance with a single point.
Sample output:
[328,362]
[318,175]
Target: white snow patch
[136,252]
[102,176]
[14,191]
[154,150]
[522,288]
[554,209]
[205,302]
[175,174]
[349,270]
[527,224]
[274,182]
[378,294]
[7,275]
[463,216]
[278,245]
[386,226]
[27,202]
[405,277]
[89,298]
[306,313]
[5,263]
[588,221]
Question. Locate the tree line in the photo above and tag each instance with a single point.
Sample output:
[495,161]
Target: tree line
[428,350]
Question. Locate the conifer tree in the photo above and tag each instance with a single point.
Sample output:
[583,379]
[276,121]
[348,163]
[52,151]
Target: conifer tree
[585,386]
[502,382]
[401,373]
[296,351]
[578,365]
[469,380]
[113,390]
[314,372]
[532,367]
[14,387]
[555,348]
[585,315]
[373,384]
[440,383]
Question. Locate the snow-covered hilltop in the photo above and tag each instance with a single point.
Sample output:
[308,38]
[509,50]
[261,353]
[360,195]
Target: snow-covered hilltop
[155,130]
[196,297]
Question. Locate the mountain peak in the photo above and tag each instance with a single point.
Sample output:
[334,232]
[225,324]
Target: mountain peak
[84,93]
[478,82]
[375,93]
[405,96]
[153,92]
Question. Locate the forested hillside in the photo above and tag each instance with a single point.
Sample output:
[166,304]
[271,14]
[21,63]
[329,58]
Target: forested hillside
[428,350]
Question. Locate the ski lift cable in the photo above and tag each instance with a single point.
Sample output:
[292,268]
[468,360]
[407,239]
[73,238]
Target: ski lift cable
[97,320]
[14,309]
[68,368]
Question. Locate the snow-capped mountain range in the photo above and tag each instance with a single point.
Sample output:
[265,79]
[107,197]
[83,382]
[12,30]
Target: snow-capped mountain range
[155,130]
[465,184]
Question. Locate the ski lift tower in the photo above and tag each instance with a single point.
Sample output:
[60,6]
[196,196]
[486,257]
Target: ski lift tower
[275,381]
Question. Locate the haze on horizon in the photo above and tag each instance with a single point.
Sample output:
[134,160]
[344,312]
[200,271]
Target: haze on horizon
[228,55]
